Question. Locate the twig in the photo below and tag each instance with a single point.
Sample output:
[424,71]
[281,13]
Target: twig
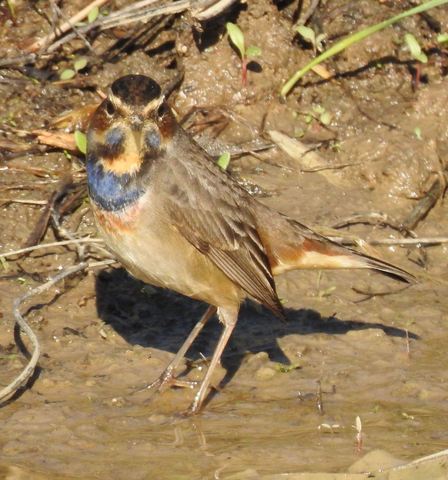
[24,201]
[370,295]
[66,26]
[206,12]
[137,12]
[49,245]
[309,13]
[373,218]
[410,241]
[22,379]
[321,168]
[124,17]
[42,223]
[73,26]
[424,205]
[21,60]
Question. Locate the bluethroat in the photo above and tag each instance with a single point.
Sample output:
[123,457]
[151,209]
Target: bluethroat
[175,219]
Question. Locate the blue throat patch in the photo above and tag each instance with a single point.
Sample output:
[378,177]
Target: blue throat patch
[112,192]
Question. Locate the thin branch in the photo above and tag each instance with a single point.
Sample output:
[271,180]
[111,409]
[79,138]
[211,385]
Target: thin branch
[217,7]
[52,244]
[22,379]
[425,204]
[66,26]
[138,12]
[24,201]
[309,13]
[410,241]
[321,168]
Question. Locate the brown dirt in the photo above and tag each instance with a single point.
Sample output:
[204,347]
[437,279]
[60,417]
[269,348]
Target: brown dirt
[104,335]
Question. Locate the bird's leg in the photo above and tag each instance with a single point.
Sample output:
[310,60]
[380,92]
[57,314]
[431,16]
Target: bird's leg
[228,317]
[167,377]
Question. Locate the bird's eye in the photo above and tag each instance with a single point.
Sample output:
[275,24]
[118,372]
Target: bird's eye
[110,109]
[162,110]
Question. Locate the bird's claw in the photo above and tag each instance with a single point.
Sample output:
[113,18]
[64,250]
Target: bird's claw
[168,380]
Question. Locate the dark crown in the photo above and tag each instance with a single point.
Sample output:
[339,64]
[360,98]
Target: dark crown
[136,90]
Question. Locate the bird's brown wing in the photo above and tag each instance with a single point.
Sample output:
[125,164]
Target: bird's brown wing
[214,215]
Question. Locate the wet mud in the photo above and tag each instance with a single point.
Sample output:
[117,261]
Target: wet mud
[286,398]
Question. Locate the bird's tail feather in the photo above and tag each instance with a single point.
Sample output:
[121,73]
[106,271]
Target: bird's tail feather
[303,248]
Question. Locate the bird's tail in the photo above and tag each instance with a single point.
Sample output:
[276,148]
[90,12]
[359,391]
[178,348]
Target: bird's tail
[291,245]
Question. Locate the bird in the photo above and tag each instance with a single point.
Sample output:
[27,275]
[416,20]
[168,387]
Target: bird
[175,219]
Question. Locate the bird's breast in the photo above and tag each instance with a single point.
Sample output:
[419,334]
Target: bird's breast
[112,191]
[116,223]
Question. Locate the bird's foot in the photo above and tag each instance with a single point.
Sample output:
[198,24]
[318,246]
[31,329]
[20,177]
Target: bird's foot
[168,380]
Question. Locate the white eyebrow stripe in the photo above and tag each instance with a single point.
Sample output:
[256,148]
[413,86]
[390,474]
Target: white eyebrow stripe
[153,105]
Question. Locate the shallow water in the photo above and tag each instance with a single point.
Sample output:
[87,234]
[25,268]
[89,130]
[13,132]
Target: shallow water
[104,336]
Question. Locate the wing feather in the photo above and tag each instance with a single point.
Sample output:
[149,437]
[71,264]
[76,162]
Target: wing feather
[214,215]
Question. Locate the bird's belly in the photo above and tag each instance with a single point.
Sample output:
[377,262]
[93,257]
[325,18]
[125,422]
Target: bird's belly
[155,252]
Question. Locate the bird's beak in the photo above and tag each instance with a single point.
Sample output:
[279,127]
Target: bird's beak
[136,122]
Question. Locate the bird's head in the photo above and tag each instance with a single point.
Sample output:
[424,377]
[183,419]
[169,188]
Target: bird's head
[131,126]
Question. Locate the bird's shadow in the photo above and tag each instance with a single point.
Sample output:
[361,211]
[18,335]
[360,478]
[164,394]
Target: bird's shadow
[158,318]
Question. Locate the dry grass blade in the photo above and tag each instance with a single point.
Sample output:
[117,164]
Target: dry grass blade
[211,9]
[407,242]
[62,140]
[66,26]
[50,245]
[42,223]
[138,12]
[307,159]
[77,119]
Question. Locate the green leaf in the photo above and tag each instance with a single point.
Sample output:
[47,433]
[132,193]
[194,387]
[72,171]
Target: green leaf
[355,38]
[418,133]
[253,51]
[236,37]
[307,34]
[4,263]
[442,38]
[325,119]
[93,14]
[11,8]
[286,368]
[67,74]
[224,160]
[81,141]
[414,48]
[80,63]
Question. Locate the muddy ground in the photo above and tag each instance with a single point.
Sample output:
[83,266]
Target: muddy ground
[378,351]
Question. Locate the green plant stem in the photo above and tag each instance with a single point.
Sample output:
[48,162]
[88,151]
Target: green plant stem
[354,38]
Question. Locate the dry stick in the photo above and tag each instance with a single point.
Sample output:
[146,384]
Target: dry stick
[119,18]
[139,12]
[29,369]
[24,201]
[72,26]
[424,205]
[66,26]
[410,241]
[52,244]
[353,240]
[373,218]
[210,11]
[42,223]
[309,13]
